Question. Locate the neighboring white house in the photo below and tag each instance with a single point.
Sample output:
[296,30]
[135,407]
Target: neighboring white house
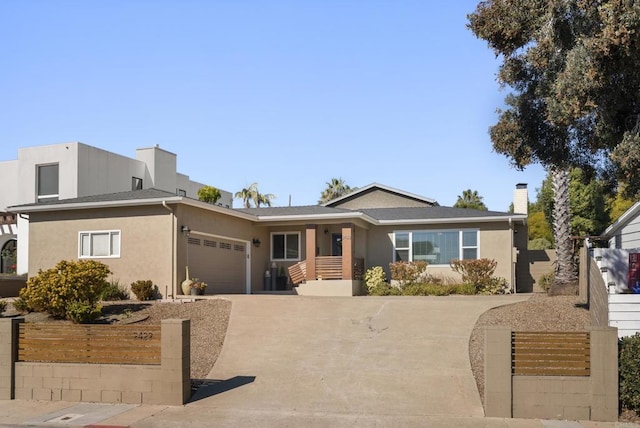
[73,170]
[623,238]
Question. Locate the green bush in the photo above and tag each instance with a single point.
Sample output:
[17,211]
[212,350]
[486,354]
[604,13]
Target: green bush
[21,306]
[467,289]
[384,289]
[406,273]
[546,280]
[3,306]
[114,291]
[424,289]
[539,244]
[83,313]
[143,289]
[53,290]
[629,372]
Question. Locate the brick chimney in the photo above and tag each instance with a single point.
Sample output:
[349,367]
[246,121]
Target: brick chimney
[521,199]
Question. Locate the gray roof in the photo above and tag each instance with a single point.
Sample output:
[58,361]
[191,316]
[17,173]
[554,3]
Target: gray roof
[108,197]
[298,210]
[429,213]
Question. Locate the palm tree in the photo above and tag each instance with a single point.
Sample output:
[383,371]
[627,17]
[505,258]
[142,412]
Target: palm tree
[248,194]
[470,199]
[251,194]
[335,188]
[565,275]
[263,199]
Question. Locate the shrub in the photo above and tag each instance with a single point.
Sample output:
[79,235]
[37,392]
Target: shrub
[467,289]
[374,277]
[3,306]
[539,244]
[406,273]
[546,280]
[479,273]
[384,289]
[114,291]
[83,312]
[53,290]
[629,372]
[21,306]
[424,289]
[143,289]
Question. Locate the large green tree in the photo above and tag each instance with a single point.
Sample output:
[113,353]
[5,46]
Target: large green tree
[470,199]
[573,70]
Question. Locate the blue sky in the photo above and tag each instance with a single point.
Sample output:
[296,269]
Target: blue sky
[284,93]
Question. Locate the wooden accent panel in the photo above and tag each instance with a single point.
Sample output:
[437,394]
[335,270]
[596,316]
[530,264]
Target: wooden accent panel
[329,267]
[551,353]
[311,245]
[358,269]
[94,344]
[298,272]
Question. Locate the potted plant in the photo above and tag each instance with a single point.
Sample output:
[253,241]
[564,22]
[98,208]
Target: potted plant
[197,287]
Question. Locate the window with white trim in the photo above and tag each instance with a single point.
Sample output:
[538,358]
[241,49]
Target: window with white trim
[99,244]
[436,247]
[47,181]
[285,246]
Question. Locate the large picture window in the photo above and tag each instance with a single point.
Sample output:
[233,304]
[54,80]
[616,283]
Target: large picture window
[47,180]
[436,247]
[99,244]
[285,246]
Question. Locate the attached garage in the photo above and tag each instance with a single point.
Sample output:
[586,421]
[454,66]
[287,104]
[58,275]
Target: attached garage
[221,262]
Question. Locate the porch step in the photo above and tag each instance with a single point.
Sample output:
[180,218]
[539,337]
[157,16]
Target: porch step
[336,287]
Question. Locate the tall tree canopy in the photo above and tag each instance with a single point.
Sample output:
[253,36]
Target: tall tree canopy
[470,199]
[573,70]
[335,188]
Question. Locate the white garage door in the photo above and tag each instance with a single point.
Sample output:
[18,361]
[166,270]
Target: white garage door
[220,262]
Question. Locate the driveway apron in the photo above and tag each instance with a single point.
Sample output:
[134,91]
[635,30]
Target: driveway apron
[404,356]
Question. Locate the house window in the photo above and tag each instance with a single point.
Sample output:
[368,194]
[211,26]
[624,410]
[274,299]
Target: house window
[181,192]
[47,182]
[136,183]
[99,244]
[436,247]
[285,246]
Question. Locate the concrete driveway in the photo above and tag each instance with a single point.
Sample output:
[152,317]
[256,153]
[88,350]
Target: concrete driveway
[304,359]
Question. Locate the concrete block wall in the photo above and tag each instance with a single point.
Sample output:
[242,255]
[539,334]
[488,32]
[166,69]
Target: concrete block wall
[552,397]
[167,383]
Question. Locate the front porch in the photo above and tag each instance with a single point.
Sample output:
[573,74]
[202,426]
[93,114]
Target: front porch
[334,275]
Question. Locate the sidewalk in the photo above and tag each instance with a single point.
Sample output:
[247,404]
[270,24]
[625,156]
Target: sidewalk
[21,413]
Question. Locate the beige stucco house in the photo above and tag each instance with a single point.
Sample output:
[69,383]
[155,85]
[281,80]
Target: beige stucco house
[153,234]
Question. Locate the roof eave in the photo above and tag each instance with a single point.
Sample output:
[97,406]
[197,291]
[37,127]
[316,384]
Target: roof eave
[622,220]
[452,220]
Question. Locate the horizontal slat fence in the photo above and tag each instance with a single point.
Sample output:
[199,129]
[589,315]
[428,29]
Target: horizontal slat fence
[329,267]
[94,344]
[551,353]
[298,272]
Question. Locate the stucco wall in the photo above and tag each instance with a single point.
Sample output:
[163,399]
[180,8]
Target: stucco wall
[10,186]
[495,243]
[380,199]
[145,241]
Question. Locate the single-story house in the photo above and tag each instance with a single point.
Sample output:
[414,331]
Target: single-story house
[154,234]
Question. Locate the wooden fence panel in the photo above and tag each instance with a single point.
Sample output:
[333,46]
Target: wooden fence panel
[551,353]
[298,272]
[94,344]
[329,267]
